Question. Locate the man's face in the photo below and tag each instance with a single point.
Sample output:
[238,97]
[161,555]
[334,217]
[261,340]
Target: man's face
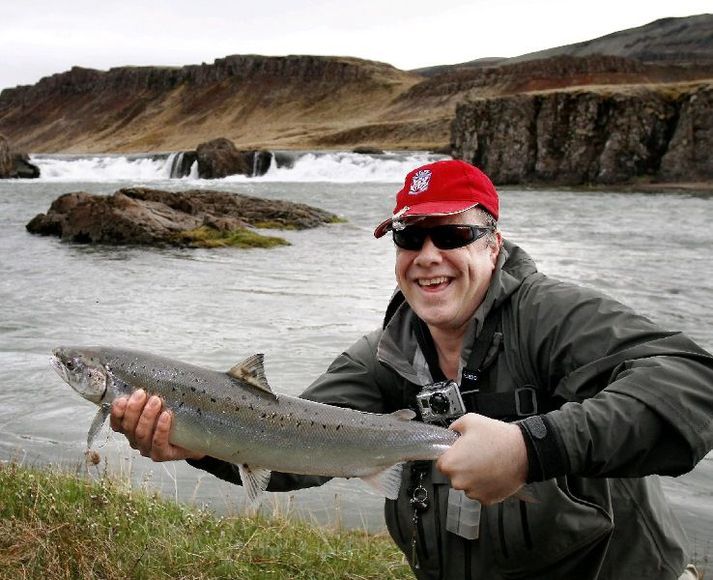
[445,287]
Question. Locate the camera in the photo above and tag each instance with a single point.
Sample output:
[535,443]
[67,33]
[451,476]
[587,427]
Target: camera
[440,402]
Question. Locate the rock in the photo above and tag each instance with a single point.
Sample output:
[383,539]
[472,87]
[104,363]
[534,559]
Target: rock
[689,152]
[589,137]
[220,158]
[14,164]
[144,216]
[368,150]
[182,164]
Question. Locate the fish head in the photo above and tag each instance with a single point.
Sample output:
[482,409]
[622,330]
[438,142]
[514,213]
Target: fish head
[83,370]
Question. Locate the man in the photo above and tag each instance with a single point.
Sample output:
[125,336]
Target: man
[559,389]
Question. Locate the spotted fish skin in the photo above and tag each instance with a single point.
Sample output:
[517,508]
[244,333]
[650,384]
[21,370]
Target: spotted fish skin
[235,416]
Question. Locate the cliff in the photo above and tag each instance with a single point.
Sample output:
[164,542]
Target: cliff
[609,109]
[294,101]
[590,137]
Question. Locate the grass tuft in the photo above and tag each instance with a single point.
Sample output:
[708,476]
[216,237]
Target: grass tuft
[57,525]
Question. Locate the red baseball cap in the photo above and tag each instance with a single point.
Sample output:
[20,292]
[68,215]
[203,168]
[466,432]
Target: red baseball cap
[442,188]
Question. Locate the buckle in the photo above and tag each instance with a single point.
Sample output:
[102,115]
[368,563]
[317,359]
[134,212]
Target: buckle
[526,401]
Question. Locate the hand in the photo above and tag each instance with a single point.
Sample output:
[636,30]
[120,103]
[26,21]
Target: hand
[488,461]
[147,427]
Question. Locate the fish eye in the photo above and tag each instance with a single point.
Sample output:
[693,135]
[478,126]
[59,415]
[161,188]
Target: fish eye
[70,365]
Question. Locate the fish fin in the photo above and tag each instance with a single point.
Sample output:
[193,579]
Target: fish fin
[522,495]
[255,480]
[97,423]
[386,482]
[403,414]
[252,371]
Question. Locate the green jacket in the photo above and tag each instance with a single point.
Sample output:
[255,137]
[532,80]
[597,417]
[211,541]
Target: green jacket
[627,400]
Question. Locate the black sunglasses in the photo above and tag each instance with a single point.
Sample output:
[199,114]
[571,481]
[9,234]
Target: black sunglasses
[445,237]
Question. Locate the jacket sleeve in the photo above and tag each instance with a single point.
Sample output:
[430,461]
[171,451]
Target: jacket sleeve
[637,400]
[350,381]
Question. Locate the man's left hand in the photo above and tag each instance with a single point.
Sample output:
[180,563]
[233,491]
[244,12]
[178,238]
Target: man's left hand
[488,461]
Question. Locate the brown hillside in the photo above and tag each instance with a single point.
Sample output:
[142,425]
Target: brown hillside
[254,101]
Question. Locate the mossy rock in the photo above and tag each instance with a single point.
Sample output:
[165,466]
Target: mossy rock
[205,237]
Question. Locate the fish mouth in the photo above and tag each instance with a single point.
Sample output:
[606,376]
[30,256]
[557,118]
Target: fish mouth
[59,368]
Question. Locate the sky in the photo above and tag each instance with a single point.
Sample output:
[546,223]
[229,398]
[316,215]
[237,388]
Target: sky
[43,37]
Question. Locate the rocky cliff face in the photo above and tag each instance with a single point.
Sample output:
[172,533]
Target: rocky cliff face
[589,137]
[254,101]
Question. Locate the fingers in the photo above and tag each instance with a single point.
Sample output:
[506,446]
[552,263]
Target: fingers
[146,424]
[161,449]
[147,427]
[118,408]
[136,418]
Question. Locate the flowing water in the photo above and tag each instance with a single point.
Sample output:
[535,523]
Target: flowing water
[302,304]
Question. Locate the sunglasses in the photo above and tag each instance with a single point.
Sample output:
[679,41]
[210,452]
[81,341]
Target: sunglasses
[445,237]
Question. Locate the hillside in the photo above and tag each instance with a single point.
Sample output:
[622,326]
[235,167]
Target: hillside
[311,102]
[253,100]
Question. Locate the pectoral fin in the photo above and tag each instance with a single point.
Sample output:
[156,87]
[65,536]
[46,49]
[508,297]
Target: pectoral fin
[255,480]
[386,482]
[97,423]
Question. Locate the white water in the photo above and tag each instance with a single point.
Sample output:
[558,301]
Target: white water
[335,167]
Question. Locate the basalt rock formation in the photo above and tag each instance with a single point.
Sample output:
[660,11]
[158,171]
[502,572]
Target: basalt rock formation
[590,137]
[220,158]
[14,164]
[140,216]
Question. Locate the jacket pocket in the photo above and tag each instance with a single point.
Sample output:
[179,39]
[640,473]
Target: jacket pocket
[551,527]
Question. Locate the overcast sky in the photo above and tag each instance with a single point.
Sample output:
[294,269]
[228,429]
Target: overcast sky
[43,37]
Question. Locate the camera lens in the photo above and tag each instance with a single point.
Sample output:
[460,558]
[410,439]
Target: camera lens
[439,403]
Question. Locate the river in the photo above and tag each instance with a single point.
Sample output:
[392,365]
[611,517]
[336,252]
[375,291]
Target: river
[301,304]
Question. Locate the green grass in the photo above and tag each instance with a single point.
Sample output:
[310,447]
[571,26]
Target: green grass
[58,525]
[206,237]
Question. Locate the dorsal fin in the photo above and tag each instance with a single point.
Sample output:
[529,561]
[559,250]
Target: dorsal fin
[252,371]
[403,414]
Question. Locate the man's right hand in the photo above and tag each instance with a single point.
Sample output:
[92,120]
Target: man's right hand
[147,426]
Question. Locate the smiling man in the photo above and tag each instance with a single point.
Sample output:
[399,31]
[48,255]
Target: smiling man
[566,402]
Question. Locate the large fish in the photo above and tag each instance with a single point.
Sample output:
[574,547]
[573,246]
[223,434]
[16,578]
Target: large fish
[235,416]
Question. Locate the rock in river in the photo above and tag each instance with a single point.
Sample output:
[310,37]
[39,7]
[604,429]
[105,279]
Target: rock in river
[15,164]
[144,216]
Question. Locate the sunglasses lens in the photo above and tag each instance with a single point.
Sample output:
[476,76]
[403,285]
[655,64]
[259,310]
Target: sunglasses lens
[446,237]
[410,238]
[452,236]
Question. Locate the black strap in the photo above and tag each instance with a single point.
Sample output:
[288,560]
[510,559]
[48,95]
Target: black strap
[475,386]
[428,348]
[473,371]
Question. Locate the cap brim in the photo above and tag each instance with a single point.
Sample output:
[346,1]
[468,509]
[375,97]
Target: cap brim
[423,210]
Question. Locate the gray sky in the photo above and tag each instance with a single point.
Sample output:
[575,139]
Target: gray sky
[40,37]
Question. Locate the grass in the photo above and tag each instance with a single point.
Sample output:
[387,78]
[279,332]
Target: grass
[57,525]
[206,237]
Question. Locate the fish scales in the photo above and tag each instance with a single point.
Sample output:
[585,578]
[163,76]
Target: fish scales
[234,416]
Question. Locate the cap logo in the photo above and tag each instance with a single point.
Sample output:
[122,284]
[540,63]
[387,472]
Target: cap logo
[420,181]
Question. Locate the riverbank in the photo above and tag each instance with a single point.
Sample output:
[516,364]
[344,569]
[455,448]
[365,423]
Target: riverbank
[58,525]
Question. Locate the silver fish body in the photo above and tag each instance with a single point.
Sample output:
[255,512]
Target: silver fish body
[235,417]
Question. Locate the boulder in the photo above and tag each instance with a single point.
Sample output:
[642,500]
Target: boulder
[219,158]
[368,150]
[144,216]
[14,164]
